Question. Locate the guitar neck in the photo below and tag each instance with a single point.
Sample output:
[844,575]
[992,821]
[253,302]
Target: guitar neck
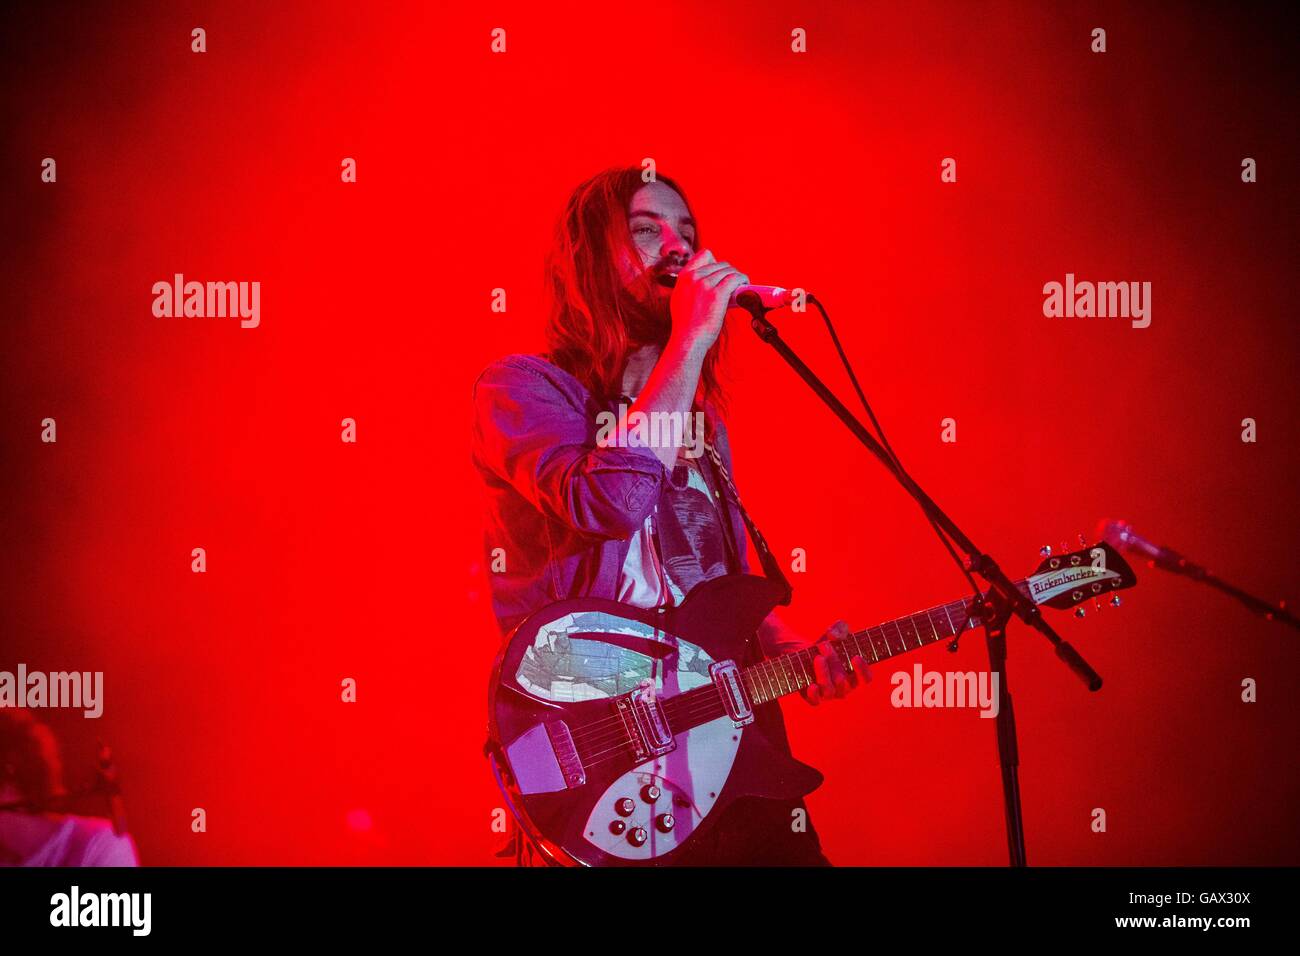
[788,673]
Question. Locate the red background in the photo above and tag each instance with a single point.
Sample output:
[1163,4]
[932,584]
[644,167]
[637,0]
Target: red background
[329,560]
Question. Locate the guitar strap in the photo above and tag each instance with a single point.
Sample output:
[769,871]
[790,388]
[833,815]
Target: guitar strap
[771,567]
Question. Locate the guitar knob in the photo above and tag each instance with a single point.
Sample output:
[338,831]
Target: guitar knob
[637,836]
[1114,600]
[650,793]
[625,807]
[665,822]
[1080,612]
[617,826]
[1045,550]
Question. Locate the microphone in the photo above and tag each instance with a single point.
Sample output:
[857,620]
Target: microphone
[1121,536]
[772,296]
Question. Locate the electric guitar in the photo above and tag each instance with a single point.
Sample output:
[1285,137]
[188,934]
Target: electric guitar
[618,734]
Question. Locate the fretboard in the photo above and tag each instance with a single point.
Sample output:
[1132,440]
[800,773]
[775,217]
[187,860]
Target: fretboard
[788,673]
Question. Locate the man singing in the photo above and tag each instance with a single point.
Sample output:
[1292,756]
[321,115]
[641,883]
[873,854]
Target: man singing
[636,320]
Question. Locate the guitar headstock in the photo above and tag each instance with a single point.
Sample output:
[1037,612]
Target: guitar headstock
[1096,571]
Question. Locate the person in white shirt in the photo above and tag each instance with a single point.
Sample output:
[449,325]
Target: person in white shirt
[31,778]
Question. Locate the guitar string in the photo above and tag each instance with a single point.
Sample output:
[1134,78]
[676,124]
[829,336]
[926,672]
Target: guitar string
[613,731]
[606,730]
[705,710]
[604,756]
[620,734]
[602,736]
[769,671]
[779,682]
[774,676]
[615,721]
[709,708]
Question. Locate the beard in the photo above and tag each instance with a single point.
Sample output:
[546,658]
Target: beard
[647,322]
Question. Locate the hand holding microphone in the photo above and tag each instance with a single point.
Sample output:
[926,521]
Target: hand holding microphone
[702,293]
[704,289]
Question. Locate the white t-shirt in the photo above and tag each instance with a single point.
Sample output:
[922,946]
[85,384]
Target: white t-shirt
[642,582]
[690,530]
[81,841]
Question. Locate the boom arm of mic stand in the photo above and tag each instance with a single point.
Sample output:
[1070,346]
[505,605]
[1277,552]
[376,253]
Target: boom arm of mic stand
[980,562]
[1265,609]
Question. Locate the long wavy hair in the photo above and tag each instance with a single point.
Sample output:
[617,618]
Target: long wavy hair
[29,759]
[587,327]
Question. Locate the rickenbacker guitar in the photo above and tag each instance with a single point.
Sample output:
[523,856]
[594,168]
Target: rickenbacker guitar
[619,734]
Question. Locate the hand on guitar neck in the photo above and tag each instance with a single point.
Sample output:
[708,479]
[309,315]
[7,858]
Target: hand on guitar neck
[833,681]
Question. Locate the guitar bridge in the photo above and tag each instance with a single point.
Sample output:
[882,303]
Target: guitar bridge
[645,722]
[726,677]
[544,759]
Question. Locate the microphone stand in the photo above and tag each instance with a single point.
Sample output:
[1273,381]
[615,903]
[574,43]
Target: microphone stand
[1266,610]
[1175,563]
[1001,601]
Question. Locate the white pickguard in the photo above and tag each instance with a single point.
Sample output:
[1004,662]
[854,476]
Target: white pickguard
[689,778]
[563,665]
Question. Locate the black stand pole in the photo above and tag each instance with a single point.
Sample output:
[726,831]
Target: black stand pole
[995,615]
[1002,600]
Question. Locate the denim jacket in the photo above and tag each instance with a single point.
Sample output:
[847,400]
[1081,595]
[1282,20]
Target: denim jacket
[563,510]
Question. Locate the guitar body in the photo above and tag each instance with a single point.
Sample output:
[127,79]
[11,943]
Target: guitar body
[576,680]
[621,735]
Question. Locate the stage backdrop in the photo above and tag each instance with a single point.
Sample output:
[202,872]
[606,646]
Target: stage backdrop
[925,169]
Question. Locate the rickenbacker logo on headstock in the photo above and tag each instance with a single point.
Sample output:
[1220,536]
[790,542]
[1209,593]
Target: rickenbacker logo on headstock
[1047,586]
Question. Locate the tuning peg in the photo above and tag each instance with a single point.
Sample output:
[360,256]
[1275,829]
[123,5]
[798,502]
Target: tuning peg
[1080,612]
[1114,600]
[1045,550]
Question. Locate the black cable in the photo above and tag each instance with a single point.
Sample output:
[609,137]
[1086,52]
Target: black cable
[848,367]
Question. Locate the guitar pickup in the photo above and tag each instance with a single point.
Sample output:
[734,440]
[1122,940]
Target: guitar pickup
[726,678]
[645,722]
